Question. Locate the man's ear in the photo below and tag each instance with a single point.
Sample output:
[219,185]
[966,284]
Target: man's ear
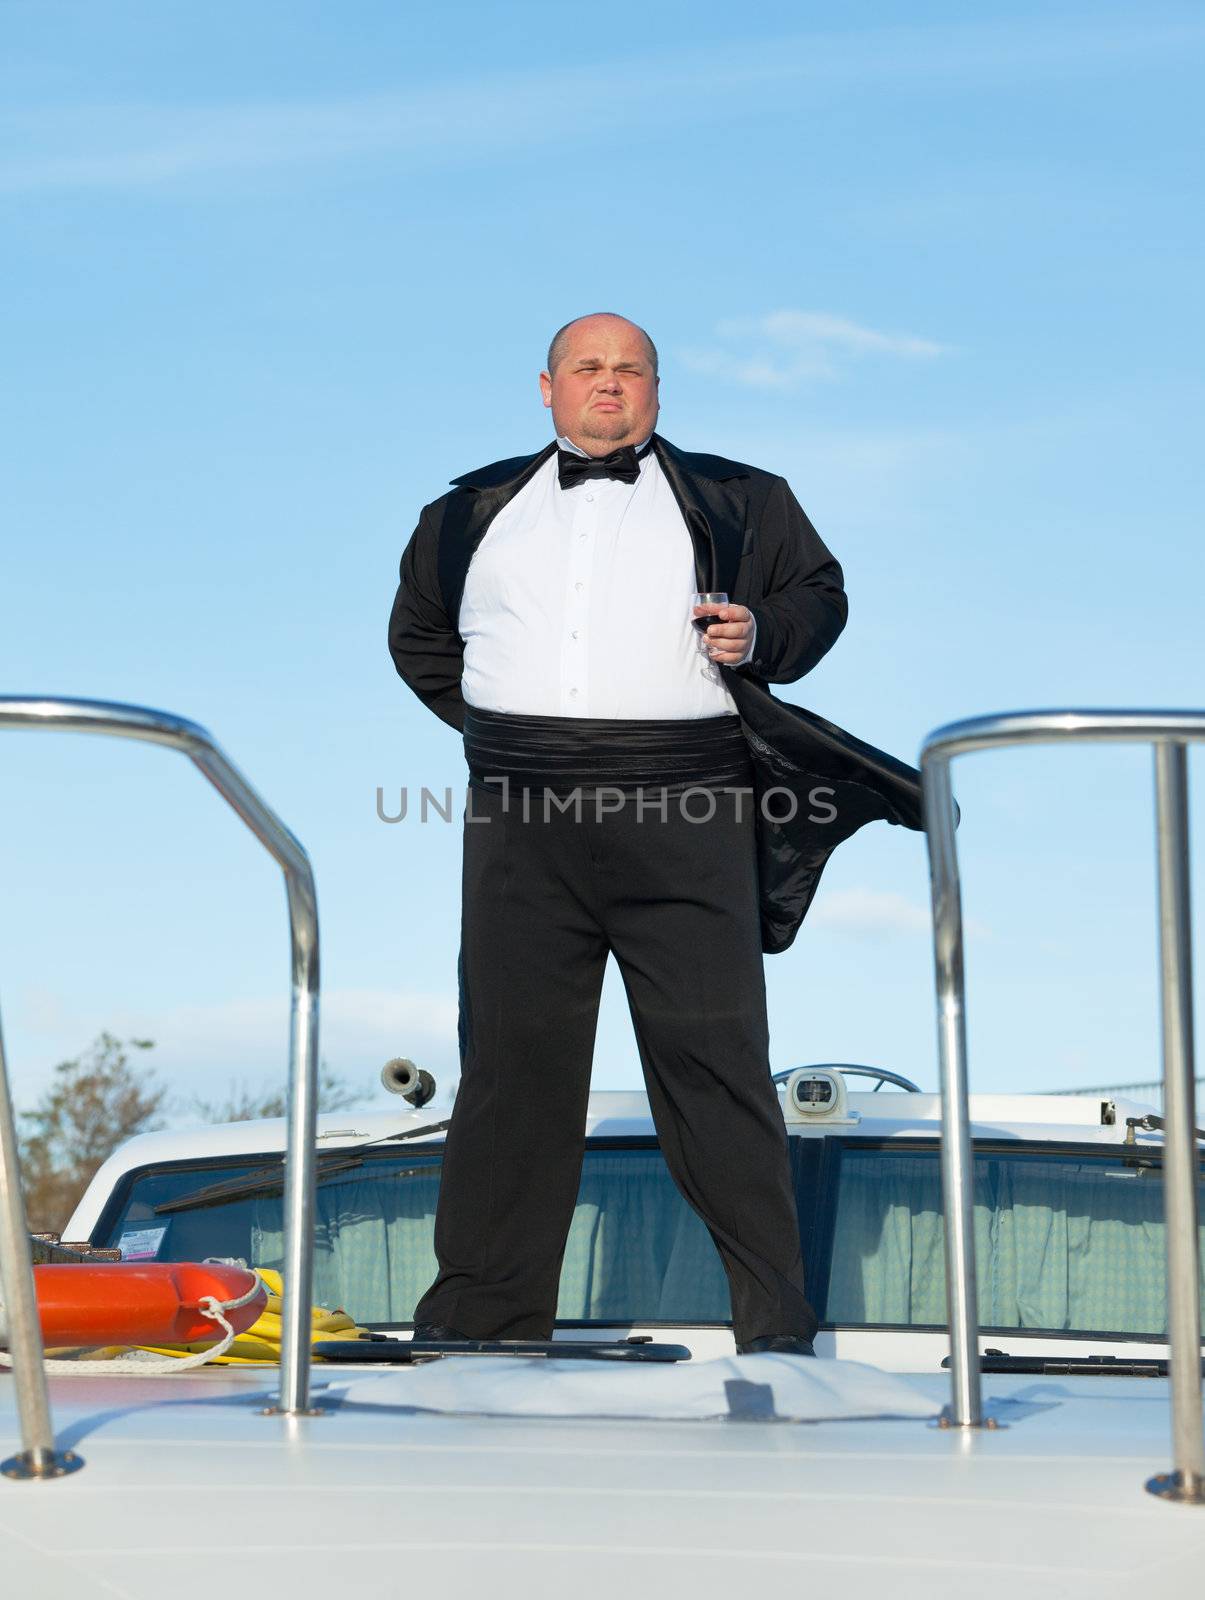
[546,388]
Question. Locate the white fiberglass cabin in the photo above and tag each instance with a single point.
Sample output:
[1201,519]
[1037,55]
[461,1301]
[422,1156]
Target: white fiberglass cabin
[1009,1289]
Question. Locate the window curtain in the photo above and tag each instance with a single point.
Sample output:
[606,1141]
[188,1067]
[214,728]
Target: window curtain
[635,1252]
[1059,1243]
[373,1250]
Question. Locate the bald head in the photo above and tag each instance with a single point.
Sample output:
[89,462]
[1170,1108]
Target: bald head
[560,339]
[601,382]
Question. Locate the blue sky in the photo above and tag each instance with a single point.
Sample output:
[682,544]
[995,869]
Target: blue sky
[276,272]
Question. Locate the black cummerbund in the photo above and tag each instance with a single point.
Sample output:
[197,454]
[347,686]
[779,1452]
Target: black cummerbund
[562,754]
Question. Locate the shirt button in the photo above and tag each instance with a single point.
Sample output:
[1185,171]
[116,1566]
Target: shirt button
[575,631]
[589,497]
[573,693]
[579,587]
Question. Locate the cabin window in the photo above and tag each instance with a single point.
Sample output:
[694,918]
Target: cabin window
[1065,1242]
[1062,1243]
[636,1251]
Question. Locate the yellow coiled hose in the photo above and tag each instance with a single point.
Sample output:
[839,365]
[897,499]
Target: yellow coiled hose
[261,1341]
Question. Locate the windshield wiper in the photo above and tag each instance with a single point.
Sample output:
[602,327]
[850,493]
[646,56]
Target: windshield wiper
[1073,1366]
[266,1181]
[413,1133]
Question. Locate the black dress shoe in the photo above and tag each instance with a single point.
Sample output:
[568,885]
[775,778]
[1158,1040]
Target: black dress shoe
[438,1333]
[782,1344]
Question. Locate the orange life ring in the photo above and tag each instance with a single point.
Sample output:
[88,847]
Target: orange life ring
[143,1302]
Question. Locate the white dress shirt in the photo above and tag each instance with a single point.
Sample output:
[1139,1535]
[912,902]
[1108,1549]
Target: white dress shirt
[577,603]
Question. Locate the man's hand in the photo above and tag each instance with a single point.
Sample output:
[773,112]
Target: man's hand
[729,637]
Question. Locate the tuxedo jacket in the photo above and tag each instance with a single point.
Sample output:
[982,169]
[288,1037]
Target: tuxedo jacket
[815,784]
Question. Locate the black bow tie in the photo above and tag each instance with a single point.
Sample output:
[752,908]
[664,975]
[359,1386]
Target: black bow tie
[623,464]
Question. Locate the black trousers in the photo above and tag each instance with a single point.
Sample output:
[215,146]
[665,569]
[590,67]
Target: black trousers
[544,901]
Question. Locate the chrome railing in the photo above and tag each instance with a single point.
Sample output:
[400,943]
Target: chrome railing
[38,1458]
[1170,732]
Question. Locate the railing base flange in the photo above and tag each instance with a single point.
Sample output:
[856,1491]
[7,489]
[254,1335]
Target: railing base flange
[283,1411]
[947,1419]
[1187,1488]
[57,1464]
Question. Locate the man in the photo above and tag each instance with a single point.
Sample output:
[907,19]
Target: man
[545,610]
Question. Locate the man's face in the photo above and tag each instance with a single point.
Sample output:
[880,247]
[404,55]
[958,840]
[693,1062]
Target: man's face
[603,393]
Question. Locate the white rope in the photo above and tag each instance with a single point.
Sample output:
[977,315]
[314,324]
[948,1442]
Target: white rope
[244,1300]
[145,1365]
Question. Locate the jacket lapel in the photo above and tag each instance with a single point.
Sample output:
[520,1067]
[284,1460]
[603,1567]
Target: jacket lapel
[711,496]
[480,497]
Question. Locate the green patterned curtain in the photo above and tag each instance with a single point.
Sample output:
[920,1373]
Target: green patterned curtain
[1060,1243]
[636,1251]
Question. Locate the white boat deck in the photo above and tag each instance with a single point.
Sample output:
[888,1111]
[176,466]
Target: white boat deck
[188,1492]
[459,1478]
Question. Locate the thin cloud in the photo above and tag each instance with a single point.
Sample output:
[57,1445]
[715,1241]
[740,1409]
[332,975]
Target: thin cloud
[804,329]
[359,1030]
[139,146]
[874,912]
[785,348]
[878,914]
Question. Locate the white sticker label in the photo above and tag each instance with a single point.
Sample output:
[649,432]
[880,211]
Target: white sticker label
[141,1244]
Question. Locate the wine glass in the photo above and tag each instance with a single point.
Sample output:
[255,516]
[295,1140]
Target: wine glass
[713,597]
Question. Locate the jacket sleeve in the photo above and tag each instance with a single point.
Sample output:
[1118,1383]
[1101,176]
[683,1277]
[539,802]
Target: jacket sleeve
[803,605]
[426,647]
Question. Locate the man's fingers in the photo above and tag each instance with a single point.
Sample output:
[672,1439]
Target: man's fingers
[727,636]
[728,613]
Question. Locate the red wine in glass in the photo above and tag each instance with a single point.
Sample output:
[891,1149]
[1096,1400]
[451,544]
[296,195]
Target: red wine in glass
[714,598]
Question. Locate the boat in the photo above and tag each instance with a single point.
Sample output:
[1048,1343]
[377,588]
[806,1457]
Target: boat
[990,1418]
